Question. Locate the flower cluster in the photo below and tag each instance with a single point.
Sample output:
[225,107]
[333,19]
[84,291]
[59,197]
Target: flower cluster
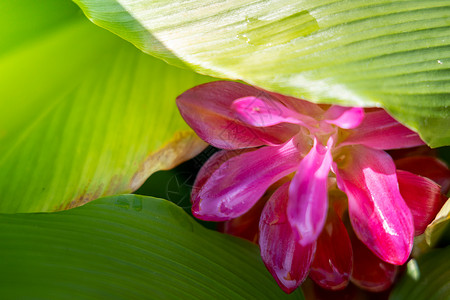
[313,159]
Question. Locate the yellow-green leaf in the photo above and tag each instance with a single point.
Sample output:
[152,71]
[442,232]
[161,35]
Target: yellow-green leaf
[436,228]
[83,113]
[389,53]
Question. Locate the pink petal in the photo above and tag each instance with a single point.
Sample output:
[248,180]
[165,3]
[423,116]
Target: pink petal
[344,117]
[380,131]
[239,182]
[423,197]
[247,225]
[308,202]
[286,260]
[211,165]
[207,109]
[429,167]
[379,215]
[265,111]
[369,272]
[303,107]
[333,261]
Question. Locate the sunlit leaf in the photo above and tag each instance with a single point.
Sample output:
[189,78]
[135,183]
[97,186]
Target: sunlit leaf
[394,53]
[438,226]
[127,247]
[428,278]
[83,113]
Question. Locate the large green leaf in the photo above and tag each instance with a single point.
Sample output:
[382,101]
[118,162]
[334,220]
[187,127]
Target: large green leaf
[83,113]
[428,278]
[127,247]
[390,53]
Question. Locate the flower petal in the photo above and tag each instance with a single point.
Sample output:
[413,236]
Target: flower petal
[308,202]
[286,260]
[247,225]
[423,197]
[239,182]
[265,111]
[370,272]
[380,131]
[332,264]
[211,165]
[429,167]
[344,117]
[207,109]
[379,215]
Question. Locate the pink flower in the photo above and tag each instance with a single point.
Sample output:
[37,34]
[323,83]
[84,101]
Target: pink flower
[268,137]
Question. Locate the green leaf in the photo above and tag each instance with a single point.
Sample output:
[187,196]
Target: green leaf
[427,278]
[83,113]
[127,247]
[436,228]
[389,53]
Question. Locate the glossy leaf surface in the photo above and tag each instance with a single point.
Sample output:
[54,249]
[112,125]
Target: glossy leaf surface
[427,278]
[119,247]
[393,54]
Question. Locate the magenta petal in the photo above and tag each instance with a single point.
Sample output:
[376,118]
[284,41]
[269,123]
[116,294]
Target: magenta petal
[207,110]
[427,166]
[286,260]
[264,111]
[423,197]
[379,215]
[380,131]
[332,264]
[247,225]
[235,186]
[211,165]
[369,272]
[308,201]
[344,117]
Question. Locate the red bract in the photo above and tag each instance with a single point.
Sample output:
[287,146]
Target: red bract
[333,261]
[429,167]
[268,136]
